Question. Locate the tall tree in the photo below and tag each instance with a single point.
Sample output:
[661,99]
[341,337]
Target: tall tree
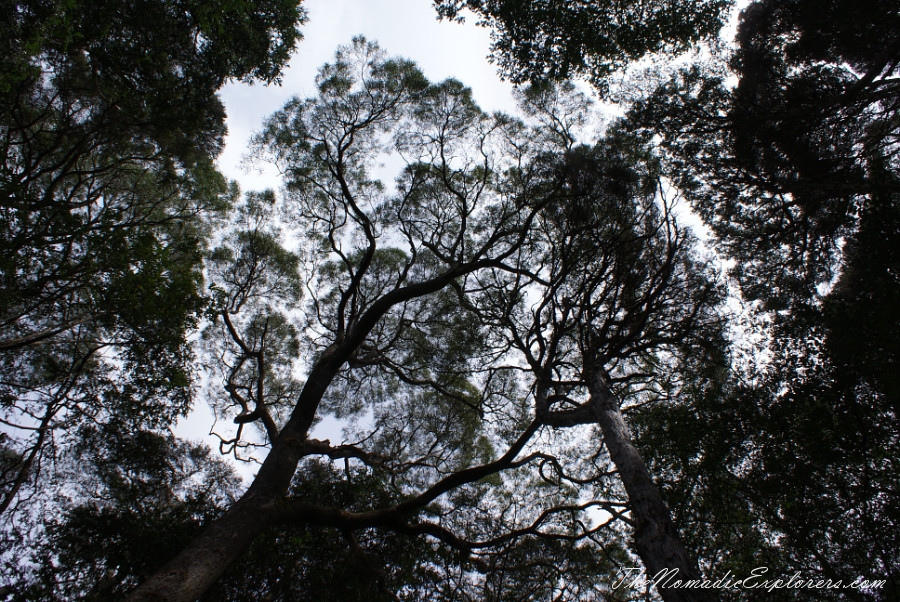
[795,169]
[453,319]
[109,125]
[629,297]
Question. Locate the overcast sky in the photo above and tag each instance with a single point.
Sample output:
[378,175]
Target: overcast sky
[406,28]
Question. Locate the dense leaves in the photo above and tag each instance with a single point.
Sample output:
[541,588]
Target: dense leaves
[488,326]
[137,497]
[109,125]
[795,169]
[556,39]
[144,70]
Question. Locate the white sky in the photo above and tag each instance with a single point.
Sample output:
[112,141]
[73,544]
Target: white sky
[405,28]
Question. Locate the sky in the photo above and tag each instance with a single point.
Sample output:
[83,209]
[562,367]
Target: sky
[405,28]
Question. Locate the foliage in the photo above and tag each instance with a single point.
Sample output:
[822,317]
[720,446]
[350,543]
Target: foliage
[795,170]
[448,319]
[555,39]
[143,71]
[488,327]
[109,125]
[140,496]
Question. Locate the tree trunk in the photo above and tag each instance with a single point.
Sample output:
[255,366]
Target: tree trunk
[196,568]
[193,571]
[199,565]
[655,537]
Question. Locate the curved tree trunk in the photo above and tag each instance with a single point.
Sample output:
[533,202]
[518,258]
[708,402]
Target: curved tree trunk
[655,537]
[186,577]
[196,568]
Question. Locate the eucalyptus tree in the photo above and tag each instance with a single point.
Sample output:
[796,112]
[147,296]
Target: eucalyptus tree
[786,144]
[471,324]
[621,313]
[109,125]
[793,163]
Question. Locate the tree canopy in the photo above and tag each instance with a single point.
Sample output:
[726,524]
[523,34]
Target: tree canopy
[452,317]
[557,39]
[795,170]
[542,377]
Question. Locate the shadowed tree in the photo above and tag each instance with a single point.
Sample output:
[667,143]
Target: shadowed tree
[622,307]
[109,125]
[795,170]
[137,496]
[556,39]
[794,167]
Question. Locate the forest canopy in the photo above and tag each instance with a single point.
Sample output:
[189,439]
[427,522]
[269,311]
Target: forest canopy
[545,380]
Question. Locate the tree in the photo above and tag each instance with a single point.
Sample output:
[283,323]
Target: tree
[629,290]
[555,40]
[307,561]
[474,322]
[139,496]
[109,125]
[795,170]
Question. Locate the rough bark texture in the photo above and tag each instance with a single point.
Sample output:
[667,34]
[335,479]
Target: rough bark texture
[655,537]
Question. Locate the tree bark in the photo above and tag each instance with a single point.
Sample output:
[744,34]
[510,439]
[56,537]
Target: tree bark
[197,567]
[191,573]
[655,537]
